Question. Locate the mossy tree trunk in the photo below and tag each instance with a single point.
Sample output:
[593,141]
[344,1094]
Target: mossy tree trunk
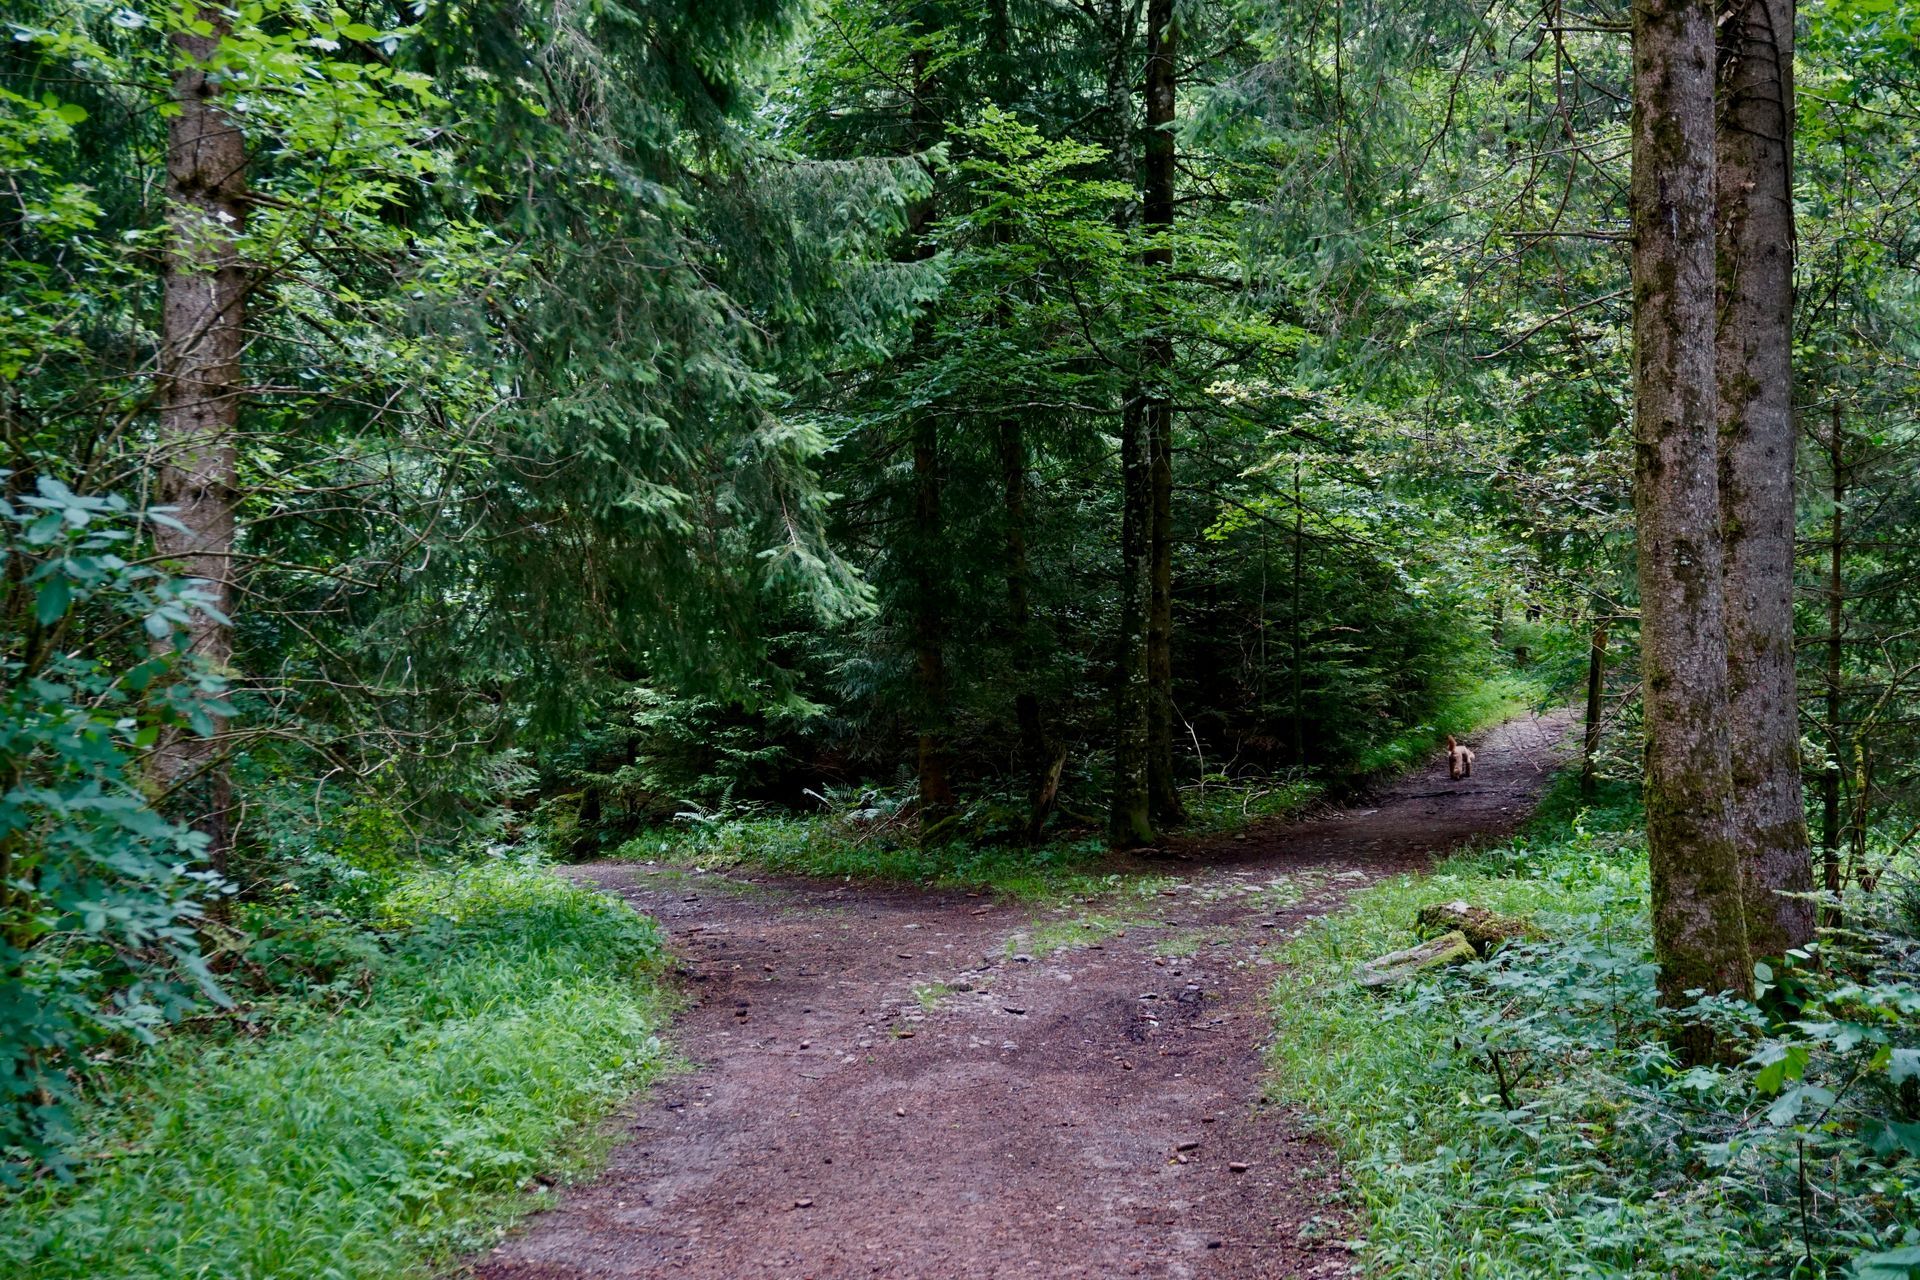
[202,319]
[1698,917]
[1754,163]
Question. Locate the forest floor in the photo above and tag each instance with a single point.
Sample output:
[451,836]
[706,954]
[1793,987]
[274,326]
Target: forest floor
[933,1084]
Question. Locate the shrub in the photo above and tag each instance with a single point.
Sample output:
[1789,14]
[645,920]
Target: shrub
[99,894]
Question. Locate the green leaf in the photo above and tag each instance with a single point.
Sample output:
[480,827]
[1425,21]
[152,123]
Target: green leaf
[1894,1264]
[56,596]
[1892,1137]
[1784,1062]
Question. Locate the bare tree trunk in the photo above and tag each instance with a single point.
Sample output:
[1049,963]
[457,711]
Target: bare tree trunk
[1699,923]
[1129,820]
[203,310]
[1836,648]
[1157,369]
[929,632]
[1035,758]
[1596,698]
[1754,163]
[1296,626]
[930,660]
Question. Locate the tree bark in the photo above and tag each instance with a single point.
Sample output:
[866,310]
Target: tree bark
[930,660]
[1157,356]
[1130,821]
[203,311]
[1129,817]
[1035,757]
[1596,698]
[1831,878]
[926,542]
[1753,361]
[1296,629]
[1699,924]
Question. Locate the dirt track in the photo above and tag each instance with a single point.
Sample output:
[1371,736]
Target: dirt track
[1094,1112]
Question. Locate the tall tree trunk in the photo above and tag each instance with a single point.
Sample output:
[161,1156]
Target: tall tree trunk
[1157,369]
[1596,697]
[929,651]
[1035,759]
[1296,629]
[1754,164]
[1129,820]
[203,310]
[1836,649]
[1039,763]
[1699,923]
[927,541]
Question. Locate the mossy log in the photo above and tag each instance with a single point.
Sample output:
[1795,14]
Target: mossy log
[1488,931]
[1396,967]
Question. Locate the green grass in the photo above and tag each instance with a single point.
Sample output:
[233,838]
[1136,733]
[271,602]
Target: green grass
[1443,1185]
[827,848]
[1466,710]
[1520,1117]
[847,846]
[375,1139]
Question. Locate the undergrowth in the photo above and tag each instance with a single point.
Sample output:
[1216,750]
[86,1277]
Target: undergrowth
[874,838]
[1520,1116]
[374,1125]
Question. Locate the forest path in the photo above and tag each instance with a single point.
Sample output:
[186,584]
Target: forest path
[1091,1112]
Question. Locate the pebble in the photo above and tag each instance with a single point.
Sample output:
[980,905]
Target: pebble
[1014,1008]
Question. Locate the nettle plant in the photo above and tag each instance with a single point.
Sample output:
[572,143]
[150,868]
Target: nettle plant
[99,893]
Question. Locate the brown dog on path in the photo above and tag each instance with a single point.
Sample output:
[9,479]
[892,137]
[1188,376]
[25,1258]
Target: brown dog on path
[1459,759]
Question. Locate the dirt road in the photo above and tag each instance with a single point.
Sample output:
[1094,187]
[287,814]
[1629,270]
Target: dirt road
[905,1083]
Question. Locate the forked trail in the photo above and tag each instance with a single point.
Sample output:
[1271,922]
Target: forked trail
[900,1083]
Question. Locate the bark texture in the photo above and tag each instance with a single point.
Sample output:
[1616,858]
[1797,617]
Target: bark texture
[1130,822]
[1596,699]
[1157,371]
[929,651]
[931,710]
[1129,818]
[203,313]
[1754,166]
[1836,643]
[1037,761]
[1698,913]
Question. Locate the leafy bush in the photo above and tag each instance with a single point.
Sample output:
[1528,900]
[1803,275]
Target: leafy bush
[1520,1116]
[99,894]
[393,1125]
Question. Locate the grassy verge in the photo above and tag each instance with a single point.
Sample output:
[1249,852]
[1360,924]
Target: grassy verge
[378,1133]
[1520,1116]
[1471,707]
[861,844]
